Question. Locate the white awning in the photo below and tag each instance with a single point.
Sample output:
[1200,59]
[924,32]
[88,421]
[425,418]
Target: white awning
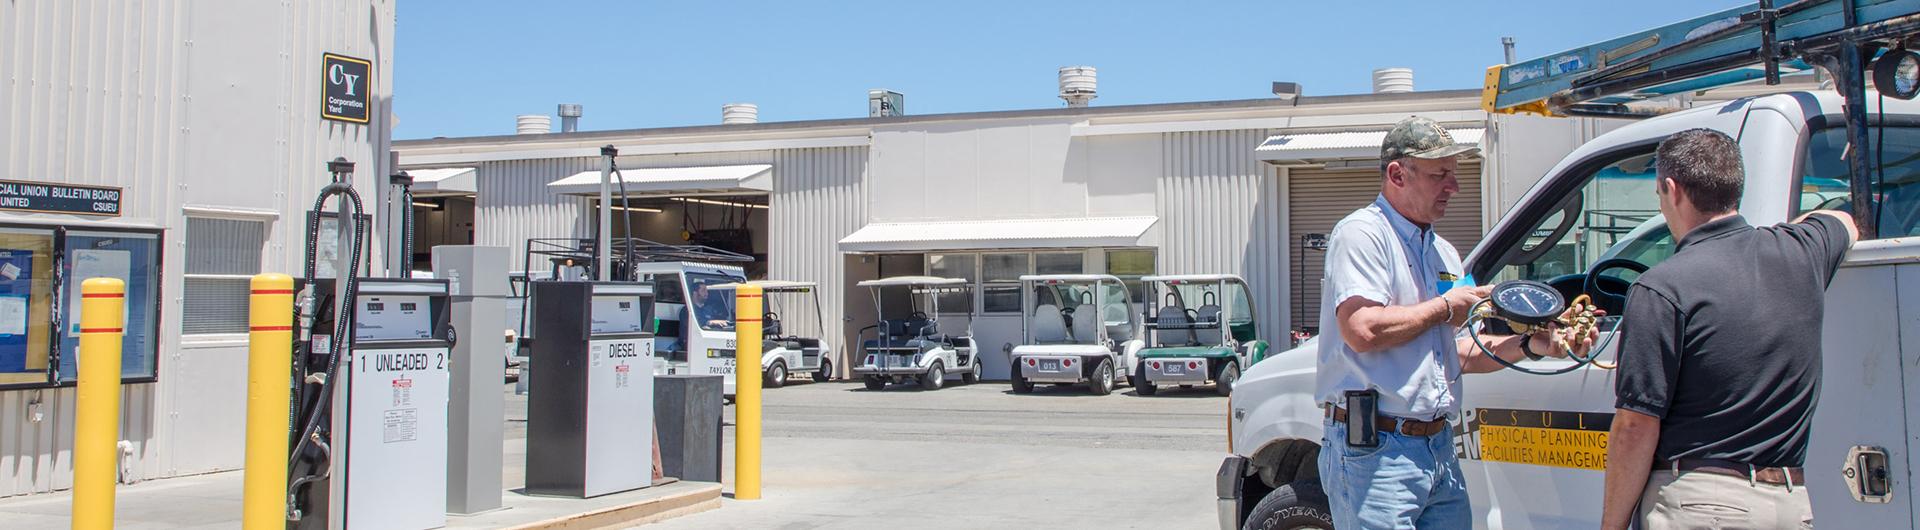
[677,181]
[1341,145]
[1079,232]
[442,182]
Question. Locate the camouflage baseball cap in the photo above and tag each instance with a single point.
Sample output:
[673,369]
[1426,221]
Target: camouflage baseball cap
[1421,138]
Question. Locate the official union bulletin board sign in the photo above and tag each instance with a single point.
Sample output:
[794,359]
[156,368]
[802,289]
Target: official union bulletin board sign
[42,197]
[345,83]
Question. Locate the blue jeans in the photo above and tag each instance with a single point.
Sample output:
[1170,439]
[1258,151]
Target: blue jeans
[1407,482]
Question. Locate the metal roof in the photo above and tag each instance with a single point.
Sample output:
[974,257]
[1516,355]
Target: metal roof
[1193,278]
[911,280]
[747,178]
[1069,277]
[999,234]
[444,181]
[1342,145]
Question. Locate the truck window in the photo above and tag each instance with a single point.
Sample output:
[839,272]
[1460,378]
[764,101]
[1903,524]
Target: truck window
[1613,213]
[1824,179]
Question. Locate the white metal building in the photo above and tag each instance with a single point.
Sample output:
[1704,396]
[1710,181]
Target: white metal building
[176,145]
[1211,187]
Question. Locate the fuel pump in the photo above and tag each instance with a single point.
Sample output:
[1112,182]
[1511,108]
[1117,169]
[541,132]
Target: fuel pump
[369,388]
[590,417]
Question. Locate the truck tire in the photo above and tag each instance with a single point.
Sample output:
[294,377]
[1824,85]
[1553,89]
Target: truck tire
[934,378]
[875,382]
[973,372]
[776,374]
[1020,383]
[1140,383]
[1100,382]
[825,373]
[1300,505]
[1223,381]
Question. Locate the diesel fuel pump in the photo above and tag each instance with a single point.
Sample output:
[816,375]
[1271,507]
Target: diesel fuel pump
[370,385]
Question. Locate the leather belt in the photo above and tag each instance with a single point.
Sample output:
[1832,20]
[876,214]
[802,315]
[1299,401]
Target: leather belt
[1777,476]
[1399,425]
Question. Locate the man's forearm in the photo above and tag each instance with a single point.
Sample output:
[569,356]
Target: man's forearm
[1475,361]
[1630,447]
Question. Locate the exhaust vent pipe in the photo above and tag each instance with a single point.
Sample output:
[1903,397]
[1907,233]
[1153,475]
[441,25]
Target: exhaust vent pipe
[1077,85]
[534,124]
[1392,80]
[735,113]
[569,117]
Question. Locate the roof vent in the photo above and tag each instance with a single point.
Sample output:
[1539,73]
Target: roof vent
[882,103]
[534,124]
[569,117]
[1392,80]
[733,113]
[1077,85]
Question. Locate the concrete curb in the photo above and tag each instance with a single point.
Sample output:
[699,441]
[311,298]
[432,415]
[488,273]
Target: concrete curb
[635,513]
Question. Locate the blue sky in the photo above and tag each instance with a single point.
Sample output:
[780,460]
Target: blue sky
[466,68]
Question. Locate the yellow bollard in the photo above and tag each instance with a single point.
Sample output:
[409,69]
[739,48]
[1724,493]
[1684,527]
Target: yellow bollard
[269,371]
[96,439]
[746,393]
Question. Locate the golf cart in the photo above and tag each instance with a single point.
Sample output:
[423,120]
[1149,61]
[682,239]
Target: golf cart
[1078,328]
[1200,329]
[693,321]
[791,346]
[910,345]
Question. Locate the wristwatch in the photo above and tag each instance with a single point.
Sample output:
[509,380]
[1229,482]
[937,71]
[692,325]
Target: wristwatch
[1526,347]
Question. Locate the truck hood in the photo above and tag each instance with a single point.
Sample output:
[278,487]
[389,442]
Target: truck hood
[1275,400]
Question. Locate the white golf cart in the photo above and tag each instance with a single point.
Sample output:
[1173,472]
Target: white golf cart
[693,321]
[1200,329]
[791,346]
[909,345]
[1078,328]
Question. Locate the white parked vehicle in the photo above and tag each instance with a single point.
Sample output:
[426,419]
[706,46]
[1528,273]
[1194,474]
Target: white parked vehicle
[1542,465]
[792,346]
[1078,328]
[908,343]
[693,316]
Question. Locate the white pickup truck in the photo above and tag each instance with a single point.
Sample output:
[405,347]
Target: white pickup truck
[1534,447]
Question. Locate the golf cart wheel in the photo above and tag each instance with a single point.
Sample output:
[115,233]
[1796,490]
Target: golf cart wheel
[934,378]
[875,382]
[825,373]
[1020,383]
[1223,381]
[776,374]
[973,373]
[1140,383]
[1299,505]
[1100,382]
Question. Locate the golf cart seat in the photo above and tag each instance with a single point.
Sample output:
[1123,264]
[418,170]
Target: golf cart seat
[1170,320]
[1207,317]
[770,325]
[791,343]
[1048,325]
[1086,324]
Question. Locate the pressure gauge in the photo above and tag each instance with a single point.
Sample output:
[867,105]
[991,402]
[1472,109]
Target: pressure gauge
[1527,302]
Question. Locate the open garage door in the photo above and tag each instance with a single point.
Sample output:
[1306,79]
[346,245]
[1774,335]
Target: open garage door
[723,207]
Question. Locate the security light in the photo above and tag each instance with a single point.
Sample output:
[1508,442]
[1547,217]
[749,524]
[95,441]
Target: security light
[1897,74]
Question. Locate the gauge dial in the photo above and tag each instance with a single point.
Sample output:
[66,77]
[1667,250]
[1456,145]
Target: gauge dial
[1527,302]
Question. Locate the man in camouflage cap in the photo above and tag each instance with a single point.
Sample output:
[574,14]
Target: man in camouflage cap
[1389,311]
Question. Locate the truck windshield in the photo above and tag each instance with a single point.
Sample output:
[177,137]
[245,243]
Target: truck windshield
[1613,213]
[1824,178]
[712,307]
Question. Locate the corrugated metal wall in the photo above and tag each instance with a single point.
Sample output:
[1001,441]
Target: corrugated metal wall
[1220,212]
[204,104]
[819,196]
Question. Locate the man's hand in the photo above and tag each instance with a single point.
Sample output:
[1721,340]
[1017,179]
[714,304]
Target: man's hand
[1461,299]
[1559,339]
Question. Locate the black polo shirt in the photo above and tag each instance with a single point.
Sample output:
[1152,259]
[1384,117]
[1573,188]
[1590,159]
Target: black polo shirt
[1722,341]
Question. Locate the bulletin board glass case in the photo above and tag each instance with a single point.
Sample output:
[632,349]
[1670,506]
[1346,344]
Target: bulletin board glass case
[41,269]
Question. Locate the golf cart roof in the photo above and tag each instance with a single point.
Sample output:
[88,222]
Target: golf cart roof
[771,286]
[1073,278]
[1193,278]
[911,280]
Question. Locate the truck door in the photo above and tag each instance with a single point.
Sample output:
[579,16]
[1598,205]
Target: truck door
[1534,447]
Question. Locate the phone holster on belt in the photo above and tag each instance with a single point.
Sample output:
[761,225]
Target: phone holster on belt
[1363,406]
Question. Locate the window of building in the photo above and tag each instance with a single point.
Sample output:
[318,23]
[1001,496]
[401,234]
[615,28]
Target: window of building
[1000,280]
[1129,265]
[1059,262]
[222,257]
[955,266]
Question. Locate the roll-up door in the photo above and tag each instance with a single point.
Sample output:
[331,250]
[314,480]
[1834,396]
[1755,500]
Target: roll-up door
[1318,197]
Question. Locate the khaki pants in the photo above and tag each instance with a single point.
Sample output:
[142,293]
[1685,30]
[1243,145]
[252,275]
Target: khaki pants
[1700,499]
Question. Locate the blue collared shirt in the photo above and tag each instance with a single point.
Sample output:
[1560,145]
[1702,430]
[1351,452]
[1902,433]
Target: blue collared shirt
[1377,254]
